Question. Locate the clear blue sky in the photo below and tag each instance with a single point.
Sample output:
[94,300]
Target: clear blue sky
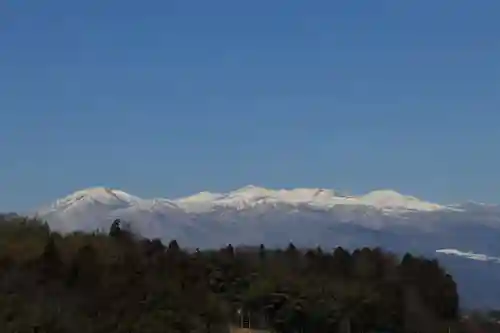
[166,98]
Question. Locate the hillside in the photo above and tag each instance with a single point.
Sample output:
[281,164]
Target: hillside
[115,282]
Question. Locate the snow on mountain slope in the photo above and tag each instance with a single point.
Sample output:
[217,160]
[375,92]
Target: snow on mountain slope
[94,208]
[92,197]
[391,200]
[251,196]
[102,196]
[469,255]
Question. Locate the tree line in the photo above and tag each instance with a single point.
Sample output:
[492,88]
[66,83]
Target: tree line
[118,282]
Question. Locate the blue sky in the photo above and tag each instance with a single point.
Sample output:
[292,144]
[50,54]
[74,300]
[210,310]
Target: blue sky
[166,98]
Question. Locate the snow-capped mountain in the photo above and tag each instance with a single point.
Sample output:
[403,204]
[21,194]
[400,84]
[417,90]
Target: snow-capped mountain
[381,209]
[251,196]
[95,208]
[305,216]
[92,207]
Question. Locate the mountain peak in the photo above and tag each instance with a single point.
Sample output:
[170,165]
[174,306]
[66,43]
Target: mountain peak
[94,195]
[96,190]
[390,199]
[250,188]
[246,197]
[252,191]
[385,193]
[251,195]
[102,193]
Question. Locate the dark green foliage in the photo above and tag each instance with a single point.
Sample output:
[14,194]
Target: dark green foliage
[115,229]
[173,247]
[115,283]
[262,252]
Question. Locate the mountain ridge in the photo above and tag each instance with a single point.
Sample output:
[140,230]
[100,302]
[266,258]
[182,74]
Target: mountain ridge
[250,196]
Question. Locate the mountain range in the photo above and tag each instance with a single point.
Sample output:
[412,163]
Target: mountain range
[463,236]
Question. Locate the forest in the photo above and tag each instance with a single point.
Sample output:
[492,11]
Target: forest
[118,282]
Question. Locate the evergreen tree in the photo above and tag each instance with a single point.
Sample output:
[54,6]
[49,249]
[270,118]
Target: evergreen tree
[262,252]
[173,246]
[51,260]
[115,230]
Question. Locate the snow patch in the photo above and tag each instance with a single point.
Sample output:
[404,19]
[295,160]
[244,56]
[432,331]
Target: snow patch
[469,255]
